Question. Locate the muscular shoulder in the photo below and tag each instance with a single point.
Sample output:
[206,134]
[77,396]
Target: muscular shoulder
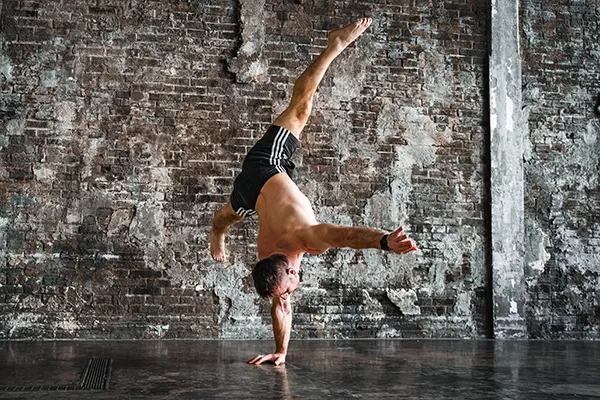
[314,238]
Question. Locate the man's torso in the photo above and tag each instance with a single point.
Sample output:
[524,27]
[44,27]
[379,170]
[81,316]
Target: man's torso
[282,210]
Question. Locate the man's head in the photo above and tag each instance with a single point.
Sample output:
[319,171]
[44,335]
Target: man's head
[274,276]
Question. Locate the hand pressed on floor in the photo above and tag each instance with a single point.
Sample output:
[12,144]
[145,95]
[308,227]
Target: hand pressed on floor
[275,358]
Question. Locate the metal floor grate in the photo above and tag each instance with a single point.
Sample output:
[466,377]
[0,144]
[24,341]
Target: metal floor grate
[95,376]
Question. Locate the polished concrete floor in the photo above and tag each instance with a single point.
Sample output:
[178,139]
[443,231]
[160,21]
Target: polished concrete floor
[343,369]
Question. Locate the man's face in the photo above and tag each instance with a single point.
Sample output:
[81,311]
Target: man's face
[289,283]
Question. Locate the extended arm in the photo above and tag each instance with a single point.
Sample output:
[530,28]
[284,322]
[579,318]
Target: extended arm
[320,237]
[281,313]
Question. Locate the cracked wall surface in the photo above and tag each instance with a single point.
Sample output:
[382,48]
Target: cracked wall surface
[249,64]
[560,89]
[124,124]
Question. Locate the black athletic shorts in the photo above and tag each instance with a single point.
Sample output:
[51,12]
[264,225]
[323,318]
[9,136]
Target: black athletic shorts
[268,157]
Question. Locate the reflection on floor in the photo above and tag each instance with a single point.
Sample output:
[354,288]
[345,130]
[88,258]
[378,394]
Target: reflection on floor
[342,369]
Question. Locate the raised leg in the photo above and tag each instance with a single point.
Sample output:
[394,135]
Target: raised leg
[294,118]
[222,221]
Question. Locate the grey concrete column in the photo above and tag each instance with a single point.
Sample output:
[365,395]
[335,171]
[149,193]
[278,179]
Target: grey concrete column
[507,139]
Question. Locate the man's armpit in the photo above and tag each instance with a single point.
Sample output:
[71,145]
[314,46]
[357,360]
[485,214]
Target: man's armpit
[314,239]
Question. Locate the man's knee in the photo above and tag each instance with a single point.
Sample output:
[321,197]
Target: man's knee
[301,109]
[294,118]
[226,215]
[302,114]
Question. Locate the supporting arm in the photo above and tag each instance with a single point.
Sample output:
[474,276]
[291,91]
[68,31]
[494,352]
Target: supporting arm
[281,313]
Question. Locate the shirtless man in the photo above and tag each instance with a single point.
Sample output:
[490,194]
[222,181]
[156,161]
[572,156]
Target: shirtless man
[287,225]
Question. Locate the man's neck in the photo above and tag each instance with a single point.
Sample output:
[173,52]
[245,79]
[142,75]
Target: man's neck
[294,259]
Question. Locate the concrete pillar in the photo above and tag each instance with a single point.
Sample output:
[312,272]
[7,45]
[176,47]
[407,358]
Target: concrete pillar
[506,145]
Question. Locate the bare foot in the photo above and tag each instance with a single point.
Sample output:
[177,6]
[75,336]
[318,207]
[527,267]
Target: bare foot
[339,39]
[217,246]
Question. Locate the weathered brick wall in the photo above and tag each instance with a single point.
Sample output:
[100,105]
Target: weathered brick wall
[561,79]
[124,124]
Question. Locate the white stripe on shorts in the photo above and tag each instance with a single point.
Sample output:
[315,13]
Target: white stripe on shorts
[275,146]
[245,213]
[281,149]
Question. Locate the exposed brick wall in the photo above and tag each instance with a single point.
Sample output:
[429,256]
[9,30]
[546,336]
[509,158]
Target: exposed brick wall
[561,78]
[124,125]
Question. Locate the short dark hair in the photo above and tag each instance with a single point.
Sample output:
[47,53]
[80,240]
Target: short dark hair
[268,273]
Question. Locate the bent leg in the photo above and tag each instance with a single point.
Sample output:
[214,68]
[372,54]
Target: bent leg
[294,118]
[222,221]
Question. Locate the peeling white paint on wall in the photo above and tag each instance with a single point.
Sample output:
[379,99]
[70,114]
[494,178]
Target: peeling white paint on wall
[73,212]
[386,332]
[20,320]
[405,300]
[510,125]
[537,241]
[493,87]
[438,75]
[31,303]
[389,209]
[237,308]
[513,307]
[65,113]
[44,174]
[5,61]
[313,271]
[68,323]
[49,78]
[15,127]
[463,304]
[349,77]
[574,251]
[4,223]
[157,331]
[92,150]
[119,221]
[590,137]
[148,222]
[421,135]
[249,64]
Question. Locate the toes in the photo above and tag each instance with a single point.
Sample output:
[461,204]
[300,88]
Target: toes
[218,257]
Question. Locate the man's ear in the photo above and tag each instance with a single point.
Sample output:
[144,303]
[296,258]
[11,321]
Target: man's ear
[291,271]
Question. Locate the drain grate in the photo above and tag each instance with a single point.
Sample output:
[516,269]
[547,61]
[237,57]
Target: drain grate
[95,376]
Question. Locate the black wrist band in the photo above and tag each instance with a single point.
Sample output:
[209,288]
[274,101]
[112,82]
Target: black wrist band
[383,243]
